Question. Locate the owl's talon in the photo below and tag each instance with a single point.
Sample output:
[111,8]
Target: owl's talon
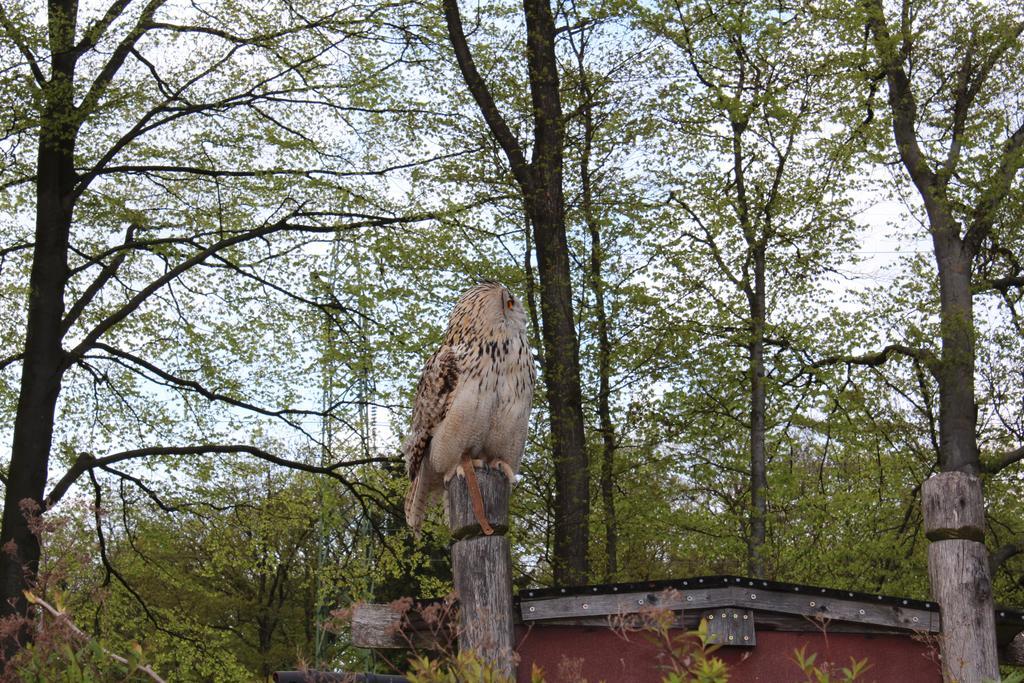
[507,469]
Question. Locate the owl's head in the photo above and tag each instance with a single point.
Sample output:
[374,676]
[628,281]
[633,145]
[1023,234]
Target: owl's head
[488,306]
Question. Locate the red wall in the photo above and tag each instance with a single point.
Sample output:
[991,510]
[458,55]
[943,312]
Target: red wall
[572,654]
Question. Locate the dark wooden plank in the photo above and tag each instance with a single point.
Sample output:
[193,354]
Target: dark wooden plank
[625,603]
[797,623]
[824,608]
[730,626]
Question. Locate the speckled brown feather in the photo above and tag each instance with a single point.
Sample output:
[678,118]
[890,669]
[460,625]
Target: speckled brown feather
[433,396]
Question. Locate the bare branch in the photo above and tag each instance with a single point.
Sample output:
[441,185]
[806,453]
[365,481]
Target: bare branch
[482,94]
[13,33]
[97,28]
[257,39]
[111,570]
[257,173]
[89,261]
[996,189]
[173,273]
[708,240]
[998,463]
[999,284]
[150,493]
[902,103]
[10,360]
[200,389]
[1003,553]
[121,52]
[96,285]
[87,462]
[14,248]
[878,358]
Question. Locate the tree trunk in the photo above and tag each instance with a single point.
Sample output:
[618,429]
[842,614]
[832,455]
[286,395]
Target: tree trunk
[561,349]
[758,467]
[961,581]
[572,480]
[755,294]
[604,350]
[959,575]
[958,414]
[43,362]
[958,568]
[540,181]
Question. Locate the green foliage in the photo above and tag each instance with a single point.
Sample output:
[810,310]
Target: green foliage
[826,673]
[60,651]
[306,343]
[463,667]
[690,656]
[68,663]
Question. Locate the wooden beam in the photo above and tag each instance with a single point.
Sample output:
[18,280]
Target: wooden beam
[958,572]
[820,607]
[399,625]
[730,626]
[482,570]
[953,507]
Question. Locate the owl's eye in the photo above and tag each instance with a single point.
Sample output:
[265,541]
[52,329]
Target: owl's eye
[511,303]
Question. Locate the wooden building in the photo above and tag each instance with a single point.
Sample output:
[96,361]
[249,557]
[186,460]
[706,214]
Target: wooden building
[626,633]
[602,632]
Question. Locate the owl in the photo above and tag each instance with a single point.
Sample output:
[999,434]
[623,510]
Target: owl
[473,399]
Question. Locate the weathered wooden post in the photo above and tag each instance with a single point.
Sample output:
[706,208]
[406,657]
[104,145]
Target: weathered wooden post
[483,570]
[954,522]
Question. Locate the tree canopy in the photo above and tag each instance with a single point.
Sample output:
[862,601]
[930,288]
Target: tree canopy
[772,258]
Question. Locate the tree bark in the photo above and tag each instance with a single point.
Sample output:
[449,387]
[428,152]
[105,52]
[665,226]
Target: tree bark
[758,401]
[540,181]
[958,414]
[754,286]
[604,352]
[561,348]
[43,362]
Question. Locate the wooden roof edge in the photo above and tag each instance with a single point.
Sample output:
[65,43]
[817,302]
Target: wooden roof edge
[1011,616]
[814,606]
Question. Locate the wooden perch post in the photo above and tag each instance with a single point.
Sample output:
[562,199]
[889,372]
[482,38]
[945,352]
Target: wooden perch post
[954,522]
[482,567]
